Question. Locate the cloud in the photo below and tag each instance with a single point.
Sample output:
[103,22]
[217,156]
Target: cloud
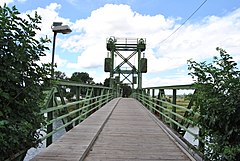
[2,2]
[10,1]
[166,81]
[57,60]
[72,2]
[110,20]
[194,40]
[49,15]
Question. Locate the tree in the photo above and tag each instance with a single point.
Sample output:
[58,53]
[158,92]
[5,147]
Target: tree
[81,77]
[60,75]
[218,100]
[107,82]
[21,81]
[127,90]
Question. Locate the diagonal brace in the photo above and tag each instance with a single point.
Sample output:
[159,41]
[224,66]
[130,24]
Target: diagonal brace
[125,60]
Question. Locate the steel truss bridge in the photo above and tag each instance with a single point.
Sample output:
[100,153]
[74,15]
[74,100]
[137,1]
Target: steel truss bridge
[102,125]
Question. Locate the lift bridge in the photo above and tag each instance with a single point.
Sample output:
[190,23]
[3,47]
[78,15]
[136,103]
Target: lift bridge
[101,125]
[135,47]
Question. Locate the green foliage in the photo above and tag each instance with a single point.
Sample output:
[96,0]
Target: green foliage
[107,82]
[81,77]
[21,80]
[60,75]
[127,90]
[218,100]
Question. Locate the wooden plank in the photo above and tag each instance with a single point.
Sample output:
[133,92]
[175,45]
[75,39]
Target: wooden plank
[75,143]
[131,134]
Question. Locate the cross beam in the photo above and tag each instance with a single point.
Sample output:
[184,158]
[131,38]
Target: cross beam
[125,60]
[135,46]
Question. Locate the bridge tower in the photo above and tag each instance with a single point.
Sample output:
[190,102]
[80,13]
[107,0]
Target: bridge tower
[129,48]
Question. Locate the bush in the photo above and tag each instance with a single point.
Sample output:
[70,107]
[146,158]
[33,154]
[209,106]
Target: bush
[218,100]
[21,80]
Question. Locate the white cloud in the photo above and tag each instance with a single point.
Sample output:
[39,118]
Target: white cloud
[116,20]
[194,40]
[2,2]
[166,81]
[48,59]
[11,1]
[49,15]
[197,40]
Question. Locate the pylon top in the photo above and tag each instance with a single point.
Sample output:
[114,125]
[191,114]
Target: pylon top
[126,44]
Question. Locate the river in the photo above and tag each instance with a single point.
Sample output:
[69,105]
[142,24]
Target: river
[34,151]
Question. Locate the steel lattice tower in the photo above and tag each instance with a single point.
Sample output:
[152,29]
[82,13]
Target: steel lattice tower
[127,45]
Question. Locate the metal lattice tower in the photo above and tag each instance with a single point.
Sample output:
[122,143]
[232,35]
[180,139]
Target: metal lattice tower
[132,47]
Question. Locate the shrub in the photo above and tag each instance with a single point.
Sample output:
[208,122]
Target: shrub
[21,80]
[218,100]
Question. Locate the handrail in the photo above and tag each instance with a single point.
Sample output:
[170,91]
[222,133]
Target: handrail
[165,109]
[185,86]
[169,112]
[77,84]
[68,104]
[71,113]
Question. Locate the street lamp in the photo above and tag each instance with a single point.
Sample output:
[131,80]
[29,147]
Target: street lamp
[57,27]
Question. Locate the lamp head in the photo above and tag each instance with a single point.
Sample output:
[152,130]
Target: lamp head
[57,24]
[57,27]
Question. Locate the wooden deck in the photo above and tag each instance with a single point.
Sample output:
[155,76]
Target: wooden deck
[121,130]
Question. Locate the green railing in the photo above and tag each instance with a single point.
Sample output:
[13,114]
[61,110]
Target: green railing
[171,112]
[71,103]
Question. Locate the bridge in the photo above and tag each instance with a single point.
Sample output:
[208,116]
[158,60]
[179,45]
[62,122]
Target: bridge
[123,129]
[102,124]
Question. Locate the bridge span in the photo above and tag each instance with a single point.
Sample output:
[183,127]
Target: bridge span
[123,129]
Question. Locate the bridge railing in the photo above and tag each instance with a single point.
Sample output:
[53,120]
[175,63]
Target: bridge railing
[166,107]
[70,103]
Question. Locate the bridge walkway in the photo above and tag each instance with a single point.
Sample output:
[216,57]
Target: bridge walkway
[121,130]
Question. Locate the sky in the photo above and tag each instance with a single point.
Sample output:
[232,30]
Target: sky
[215,24]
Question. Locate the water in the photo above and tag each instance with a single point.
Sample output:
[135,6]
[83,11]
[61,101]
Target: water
[34,151]
[191,139]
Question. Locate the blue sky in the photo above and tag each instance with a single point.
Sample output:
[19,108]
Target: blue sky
[217,23]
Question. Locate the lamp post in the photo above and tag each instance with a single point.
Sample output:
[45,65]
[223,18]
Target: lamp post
[57,27]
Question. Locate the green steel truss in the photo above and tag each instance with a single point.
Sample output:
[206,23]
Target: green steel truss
[117,74]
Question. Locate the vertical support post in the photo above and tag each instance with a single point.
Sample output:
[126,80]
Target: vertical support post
[70,126]
[153,93]
[50,126]
[77,105]
[201,145]
[159,103]
[133,80]
[143,96]
[53,52]
[148,91]
[112,70]
[101,98]
[148,99]
[174,101]
[108,94]
[139,70]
